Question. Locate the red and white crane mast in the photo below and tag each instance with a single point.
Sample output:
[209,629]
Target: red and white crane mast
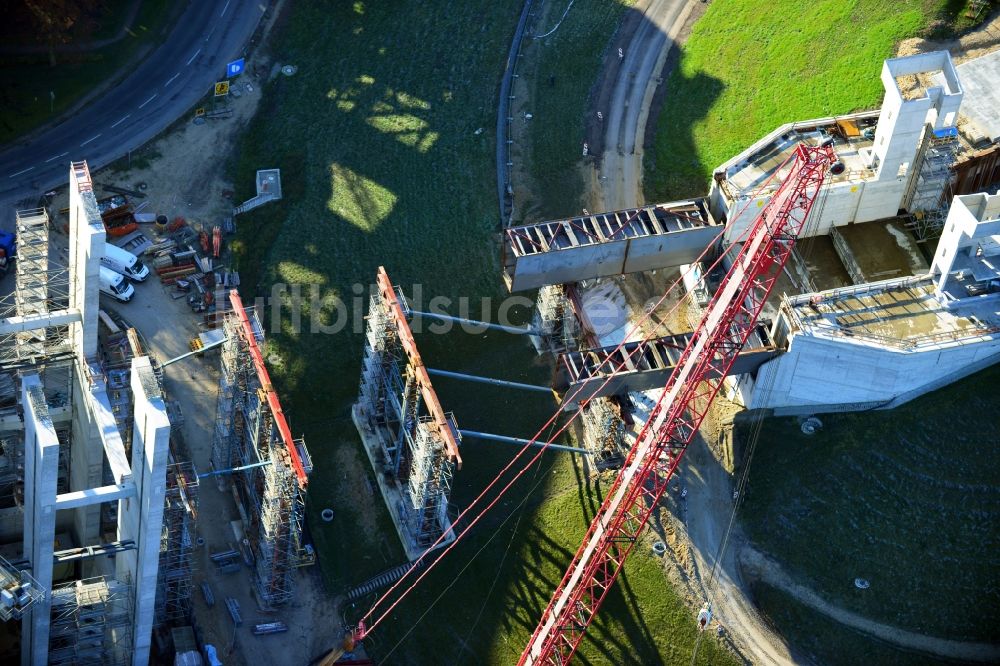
[728,322]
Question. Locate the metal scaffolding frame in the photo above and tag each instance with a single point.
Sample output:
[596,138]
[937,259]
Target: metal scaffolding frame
[555,318]
[18,591]
[91,623]
[604,432]
[40,288]
[250,430]
[411,442]
[174,575]
[935,174]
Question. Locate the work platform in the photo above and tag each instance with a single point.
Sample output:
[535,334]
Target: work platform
[615,369]
[590,246]
[903,313]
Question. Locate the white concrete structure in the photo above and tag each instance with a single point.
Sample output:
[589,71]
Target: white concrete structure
[30,339]
[969,248]
[86,247]
[41,460]
[880,344]
[150,450]
[880,172]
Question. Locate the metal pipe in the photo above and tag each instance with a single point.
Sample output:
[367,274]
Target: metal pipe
[192,353]
[517,440]
[489,380]
[516,330]
[93,551]
[234,469]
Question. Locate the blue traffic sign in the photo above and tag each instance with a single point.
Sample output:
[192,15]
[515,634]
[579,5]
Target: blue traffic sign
[234,68]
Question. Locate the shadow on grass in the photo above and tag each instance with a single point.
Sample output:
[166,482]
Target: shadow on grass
[677,159]
[382,165]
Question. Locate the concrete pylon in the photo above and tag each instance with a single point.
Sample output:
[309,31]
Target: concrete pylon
[142,520]
[86,247]
[41,471]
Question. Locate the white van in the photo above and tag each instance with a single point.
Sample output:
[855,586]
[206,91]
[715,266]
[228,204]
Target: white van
[116,286]
[124,262]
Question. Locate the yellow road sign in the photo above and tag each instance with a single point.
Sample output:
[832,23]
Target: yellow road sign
[222,88]
[200,111]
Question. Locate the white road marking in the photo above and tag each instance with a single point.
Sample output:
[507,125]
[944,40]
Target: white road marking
[56,157]
[89,140]
[171,79]
[129,115]
[225,8]
[210,32]
[20,172]
[148,100]
[191,59]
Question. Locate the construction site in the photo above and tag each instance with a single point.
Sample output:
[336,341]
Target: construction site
[105,550]
[838,264]
[806,281]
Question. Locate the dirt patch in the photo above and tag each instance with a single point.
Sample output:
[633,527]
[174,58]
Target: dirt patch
[979,42]
[184,175]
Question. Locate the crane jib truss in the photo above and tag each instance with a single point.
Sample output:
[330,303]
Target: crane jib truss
[728,321]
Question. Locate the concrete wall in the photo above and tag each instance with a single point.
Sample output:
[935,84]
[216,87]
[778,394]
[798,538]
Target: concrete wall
[840,204]
[86,461]
[561,266]
[141,518]
[86,247]
[669,251]
[616,257]
[819,374]
[41,470]
[971,218]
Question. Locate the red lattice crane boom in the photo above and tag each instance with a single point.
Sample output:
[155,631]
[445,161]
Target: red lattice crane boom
[728,322]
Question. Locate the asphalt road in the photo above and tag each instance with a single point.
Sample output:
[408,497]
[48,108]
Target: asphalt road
[625,124]
[179,72]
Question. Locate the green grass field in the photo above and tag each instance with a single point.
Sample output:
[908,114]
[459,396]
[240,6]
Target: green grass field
[573,54]
[29,80]
[750,66]
[375,136]
[908,499]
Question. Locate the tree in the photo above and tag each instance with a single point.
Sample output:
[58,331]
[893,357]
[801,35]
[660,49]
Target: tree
[54,20]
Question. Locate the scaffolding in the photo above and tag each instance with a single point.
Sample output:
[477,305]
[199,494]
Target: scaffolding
[555,318]
[935,174]
[604,432]
[926,226]
[174,575]
[271,469]
[18,591]
[411,442]
[40,288]
[91,623]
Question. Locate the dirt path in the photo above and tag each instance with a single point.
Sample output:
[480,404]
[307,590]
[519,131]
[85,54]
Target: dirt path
[709,507]
[624,100]
[769,571]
